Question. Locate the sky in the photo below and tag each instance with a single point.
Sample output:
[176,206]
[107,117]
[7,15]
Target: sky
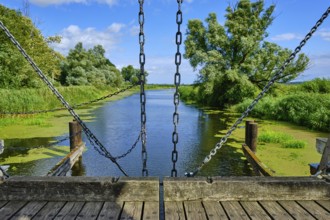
[114,25]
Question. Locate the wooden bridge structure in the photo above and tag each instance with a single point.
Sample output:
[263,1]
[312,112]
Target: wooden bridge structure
[172,198]
[56,196]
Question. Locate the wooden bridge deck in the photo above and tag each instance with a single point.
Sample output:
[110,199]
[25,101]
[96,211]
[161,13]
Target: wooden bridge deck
[180,198]
[173,210]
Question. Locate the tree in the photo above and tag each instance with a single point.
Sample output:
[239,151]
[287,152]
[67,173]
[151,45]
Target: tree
[132,75]
[89,67]
[15,72]
[235,60]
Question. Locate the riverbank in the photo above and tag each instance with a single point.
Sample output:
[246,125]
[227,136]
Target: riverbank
[198,133]
[283,161]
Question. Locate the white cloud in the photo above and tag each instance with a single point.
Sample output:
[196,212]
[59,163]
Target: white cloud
[325,34]
[59,2]
[162,70]
[90,37]
[286,37]
[319,68]
[135,30]
[116,27]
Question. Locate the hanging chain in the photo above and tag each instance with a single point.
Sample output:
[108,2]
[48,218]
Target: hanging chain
[129,150]
[176,97]
[142,59]
[277,75]
[88,133]
[74,106]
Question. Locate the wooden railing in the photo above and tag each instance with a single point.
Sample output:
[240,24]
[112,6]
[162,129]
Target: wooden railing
[76,149]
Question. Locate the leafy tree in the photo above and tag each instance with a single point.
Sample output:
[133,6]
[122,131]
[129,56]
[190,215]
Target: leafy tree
[132,75]
[234,59]
[14,70]
[89,67]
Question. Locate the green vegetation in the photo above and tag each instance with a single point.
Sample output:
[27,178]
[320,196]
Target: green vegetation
[235,60]
[26,100]
[15,72]
[286,140]
[296,104]
[37,154]
[89,67]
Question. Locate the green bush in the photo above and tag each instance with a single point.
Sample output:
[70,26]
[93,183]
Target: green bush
[286,141]
[294,144]
[26,100]
[307,109]
[274,137]
[316,86]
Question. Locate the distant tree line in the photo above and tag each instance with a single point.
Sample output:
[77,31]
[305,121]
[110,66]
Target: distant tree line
[80,67]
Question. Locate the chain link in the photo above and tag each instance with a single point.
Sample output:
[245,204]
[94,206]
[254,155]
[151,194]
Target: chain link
[276,76]
[176,96]
[88,133]
[142,60]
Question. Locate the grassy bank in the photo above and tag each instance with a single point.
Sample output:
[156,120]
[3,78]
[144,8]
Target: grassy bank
[285,148]
[46,124]
[306,104]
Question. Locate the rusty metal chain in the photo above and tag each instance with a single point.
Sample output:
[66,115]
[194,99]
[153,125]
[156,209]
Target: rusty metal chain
[73,106]
[142,59]
[88,133]
[276,76]
[176,97]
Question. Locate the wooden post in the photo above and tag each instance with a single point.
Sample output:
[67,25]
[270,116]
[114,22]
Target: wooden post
[247,122]
[2,146]
[253,136]
[324,163]
[75,134]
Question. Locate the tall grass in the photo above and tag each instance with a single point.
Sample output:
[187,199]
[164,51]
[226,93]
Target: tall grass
[26,100]
[286,141]
[307,109]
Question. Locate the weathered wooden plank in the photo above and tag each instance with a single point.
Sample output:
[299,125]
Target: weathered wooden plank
[296,210]
[194,210]
[80,189]
[70,210]
[10,209]
[245,188]
[90,210]
[132,210]
[214,210]
[174,210]
[234,210]
[254,210]
[49,211]
[275,210]
[258,167]
[2,203]
[64,166]
[110,210]
[151,210]
[315,209]
[325,204]
[29,210]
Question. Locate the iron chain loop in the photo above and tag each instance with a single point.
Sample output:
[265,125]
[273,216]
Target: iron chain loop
[176,96]
[276,76]
[142,60]
[91,137]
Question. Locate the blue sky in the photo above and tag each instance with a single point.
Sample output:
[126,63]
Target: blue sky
[114,25]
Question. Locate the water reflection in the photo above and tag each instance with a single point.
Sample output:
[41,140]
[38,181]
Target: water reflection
[116,125]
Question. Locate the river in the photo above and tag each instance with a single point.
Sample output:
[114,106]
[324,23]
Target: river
[117,124]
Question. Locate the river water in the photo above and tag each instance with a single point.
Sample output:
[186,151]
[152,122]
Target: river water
[117,124]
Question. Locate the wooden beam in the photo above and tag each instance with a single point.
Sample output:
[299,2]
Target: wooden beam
[245,188]
[80,189]
[258,167]
[65,165]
